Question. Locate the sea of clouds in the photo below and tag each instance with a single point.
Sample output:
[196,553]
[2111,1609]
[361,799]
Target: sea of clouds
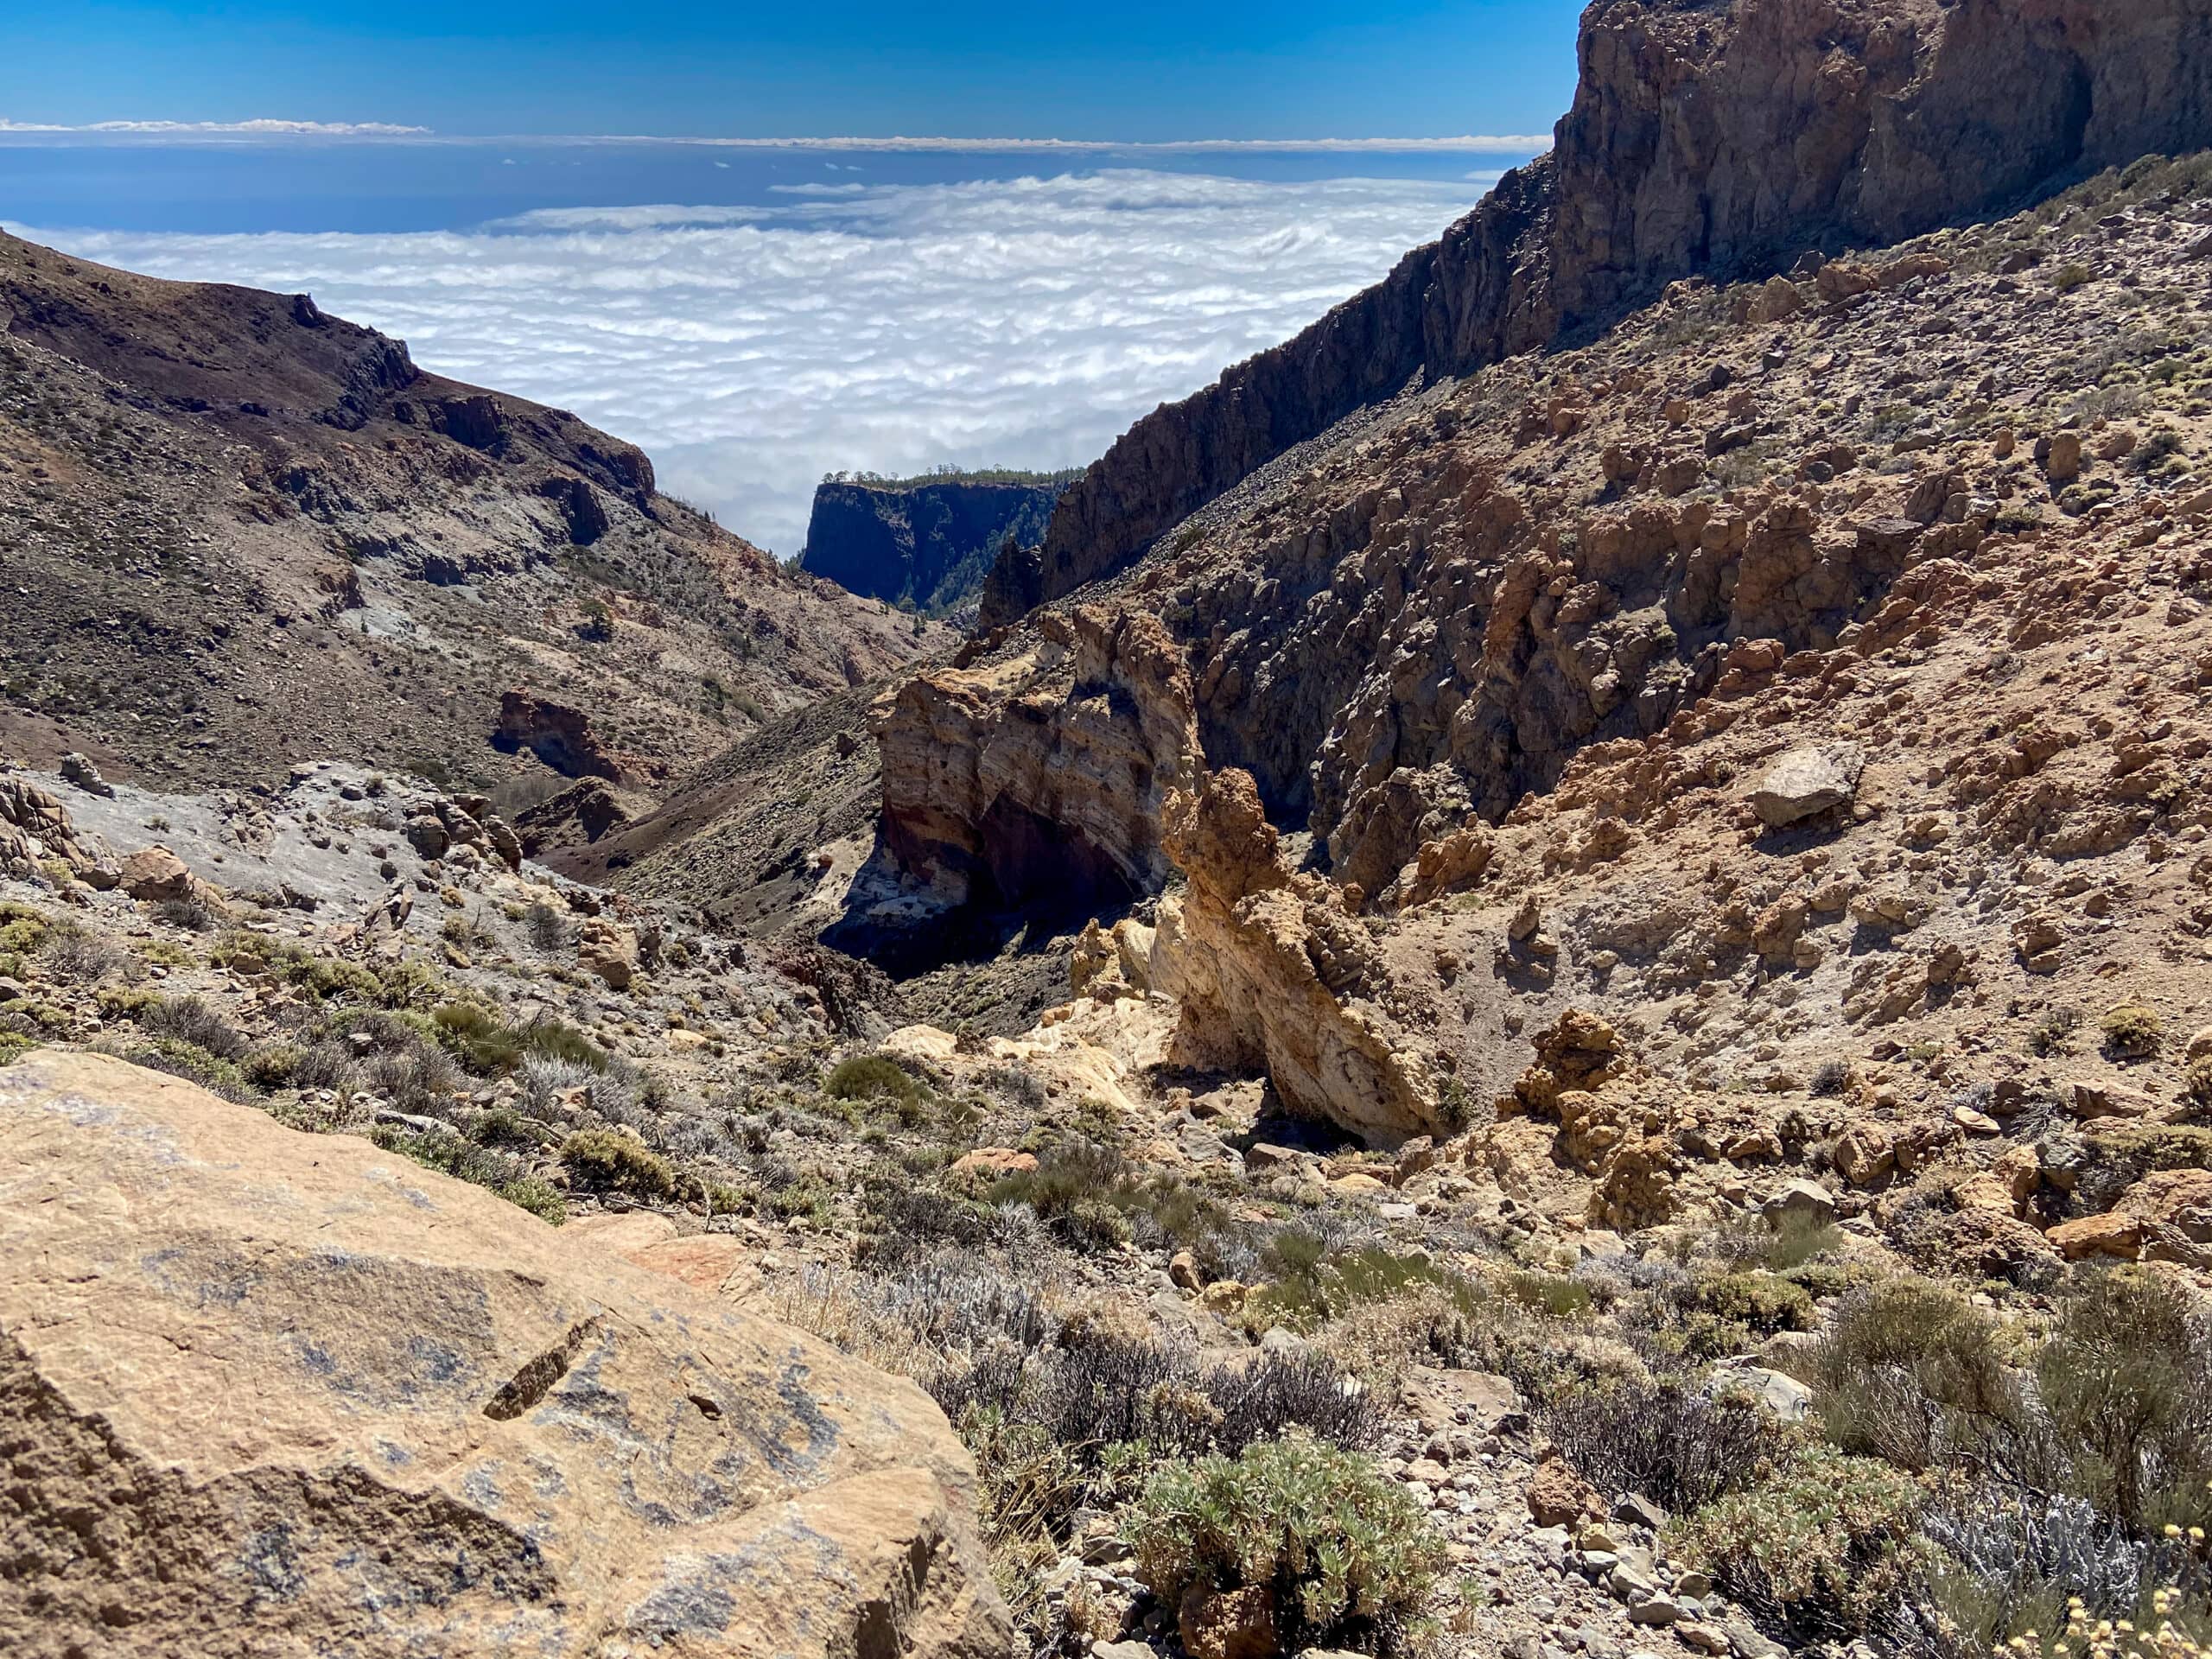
[890,328]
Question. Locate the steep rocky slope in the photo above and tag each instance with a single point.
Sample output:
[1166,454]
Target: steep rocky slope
[1705,138]
[925,543]
[235,532]
[1511,657]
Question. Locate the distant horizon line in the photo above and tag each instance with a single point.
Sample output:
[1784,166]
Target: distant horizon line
[390,132]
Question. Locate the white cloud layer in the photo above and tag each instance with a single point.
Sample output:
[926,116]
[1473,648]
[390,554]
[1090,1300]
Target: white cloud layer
[892,329]
[261,128]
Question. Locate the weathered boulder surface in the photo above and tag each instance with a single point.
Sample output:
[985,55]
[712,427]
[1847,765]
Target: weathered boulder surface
[34,828]
[1807,781]
[269,1393]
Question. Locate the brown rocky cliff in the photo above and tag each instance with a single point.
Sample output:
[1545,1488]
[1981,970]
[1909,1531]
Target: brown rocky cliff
[1718,138]
[1042,775]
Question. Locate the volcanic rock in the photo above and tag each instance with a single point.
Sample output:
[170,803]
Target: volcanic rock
[275,1392]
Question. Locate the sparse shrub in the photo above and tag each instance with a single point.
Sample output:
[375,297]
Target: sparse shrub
[191,913]
[1912,1372]
[1826,1547]
[1830,1077]
[2012,1562]
[869,1076]
[499,1125]
[479,1039]
[601,1160]
[1761,1302]
[446,1152]
[545,1078]
[1346,1553]
[326,978]
[2071,277]
[274,1067]
[1313,1286]
[77,957]
[548,928]
[1422,1325]
[1560,1296]
[13,1044]
[1014,1082]
[2054,1032]
[190,1020]
[182,1059]
[805,1197]
[554,1040]
[1674,1442]
[2126,1377]
[2133,1032]
[2198,1080]
[2118,1158]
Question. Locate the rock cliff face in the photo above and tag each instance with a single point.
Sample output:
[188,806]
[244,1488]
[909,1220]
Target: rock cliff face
[929,544]
[1501,644]
[269,1391]
[1041,777]
[1725,139]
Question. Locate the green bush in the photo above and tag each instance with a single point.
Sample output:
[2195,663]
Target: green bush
[1912,1372]
[1797,1239]
[325,978]
[479,1039]
[601,1160]
[1347,1553]
[1830,1541]
[2133,1032]
[2126,1377]
[186,1059]
[1760,1302]
[806,1198]
[870,1077]
[273,1067]
[1552,1293]
[2198,1080]
[1311,1287]
[542,1198]
[14,1046]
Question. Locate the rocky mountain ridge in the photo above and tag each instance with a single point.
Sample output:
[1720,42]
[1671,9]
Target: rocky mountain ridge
[239,533]
[1705,139]
[1578,1021]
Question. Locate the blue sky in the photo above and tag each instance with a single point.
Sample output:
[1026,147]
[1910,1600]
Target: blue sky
[1140,69]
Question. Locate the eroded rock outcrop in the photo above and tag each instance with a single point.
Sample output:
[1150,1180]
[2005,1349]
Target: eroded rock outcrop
[557,734]
[1269,973]
[1045,775]
[36,828]
[1725,140]
[270,1391]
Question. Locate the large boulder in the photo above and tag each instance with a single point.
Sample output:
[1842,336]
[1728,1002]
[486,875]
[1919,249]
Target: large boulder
[265,1392]
[1807,781]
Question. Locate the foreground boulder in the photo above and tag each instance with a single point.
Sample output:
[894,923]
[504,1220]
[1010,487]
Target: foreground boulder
[267,1392]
